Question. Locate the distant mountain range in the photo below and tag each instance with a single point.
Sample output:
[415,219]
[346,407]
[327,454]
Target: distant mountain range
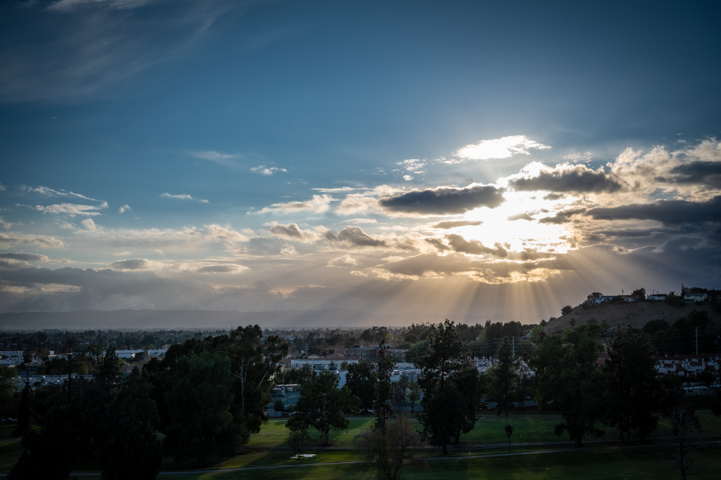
[201,319]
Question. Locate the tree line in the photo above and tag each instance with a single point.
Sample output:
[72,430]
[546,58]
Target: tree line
[207,396]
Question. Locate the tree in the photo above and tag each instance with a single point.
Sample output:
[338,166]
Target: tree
[323,404]
[129,431]
[567,376]
[414,394]
[509,431]
[503,375]
[383,403]
[391,446]
[254,363]
[298,426]
[446,410]
[681,453]
[23,424]
[594,295]
[109,369]
[361,379]
[631,384]
[566,310]
[199,405]
[639,294]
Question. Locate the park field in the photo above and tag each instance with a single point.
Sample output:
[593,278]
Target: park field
[536,453]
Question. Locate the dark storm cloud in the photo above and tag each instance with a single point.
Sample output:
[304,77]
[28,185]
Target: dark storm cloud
[130,264]
[354,236]
[456,224]
[706,173]
[579,179]
[445,200]
[473,247]
[669,212]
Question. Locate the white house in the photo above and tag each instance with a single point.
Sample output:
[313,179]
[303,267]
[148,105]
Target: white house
[695,297]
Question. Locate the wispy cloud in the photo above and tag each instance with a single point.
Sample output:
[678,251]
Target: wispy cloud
[14,238]
[97,45]
[228,160]
[263,170]
[124,208]
[183,196]
[50,192]
[318,204]
[499,148]
[72,209]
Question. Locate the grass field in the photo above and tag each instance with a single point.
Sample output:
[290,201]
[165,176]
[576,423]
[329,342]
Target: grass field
[268,457]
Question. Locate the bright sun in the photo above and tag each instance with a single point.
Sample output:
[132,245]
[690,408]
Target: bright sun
[507,226]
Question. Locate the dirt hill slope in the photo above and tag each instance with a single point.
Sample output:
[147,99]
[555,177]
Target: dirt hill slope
[635,314]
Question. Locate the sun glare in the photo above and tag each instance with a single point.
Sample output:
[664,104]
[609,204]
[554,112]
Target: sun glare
[522,231]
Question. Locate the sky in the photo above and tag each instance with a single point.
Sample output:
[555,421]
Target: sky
[464,160]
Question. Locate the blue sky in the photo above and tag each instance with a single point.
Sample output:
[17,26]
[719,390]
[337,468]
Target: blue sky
[449,158]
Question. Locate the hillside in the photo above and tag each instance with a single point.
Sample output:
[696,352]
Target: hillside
[635,314]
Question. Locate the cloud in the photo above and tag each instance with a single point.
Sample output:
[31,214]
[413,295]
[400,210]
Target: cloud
[444,200]
[182,196]
[225,234]
[318,204]
[563,216]
[668,212]
[473,247]
[89,224]
[499,148]
[293,232]
[19,260]
[222,269]
[13,238]
[72,5]
[354,236]
[344,261]
[98,47]
[568,178]
[455,224]
[72,209]
[705,173]
[520,216]
[263,170]
[130,264]
[50,192]
[224,159]
[24,257]
[414,166]
[124,208]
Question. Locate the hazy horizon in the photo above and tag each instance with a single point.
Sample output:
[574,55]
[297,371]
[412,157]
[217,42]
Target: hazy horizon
[463,160]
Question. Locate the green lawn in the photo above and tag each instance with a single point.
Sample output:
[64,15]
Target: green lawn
[528,428]
[605,464]
[587,463]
